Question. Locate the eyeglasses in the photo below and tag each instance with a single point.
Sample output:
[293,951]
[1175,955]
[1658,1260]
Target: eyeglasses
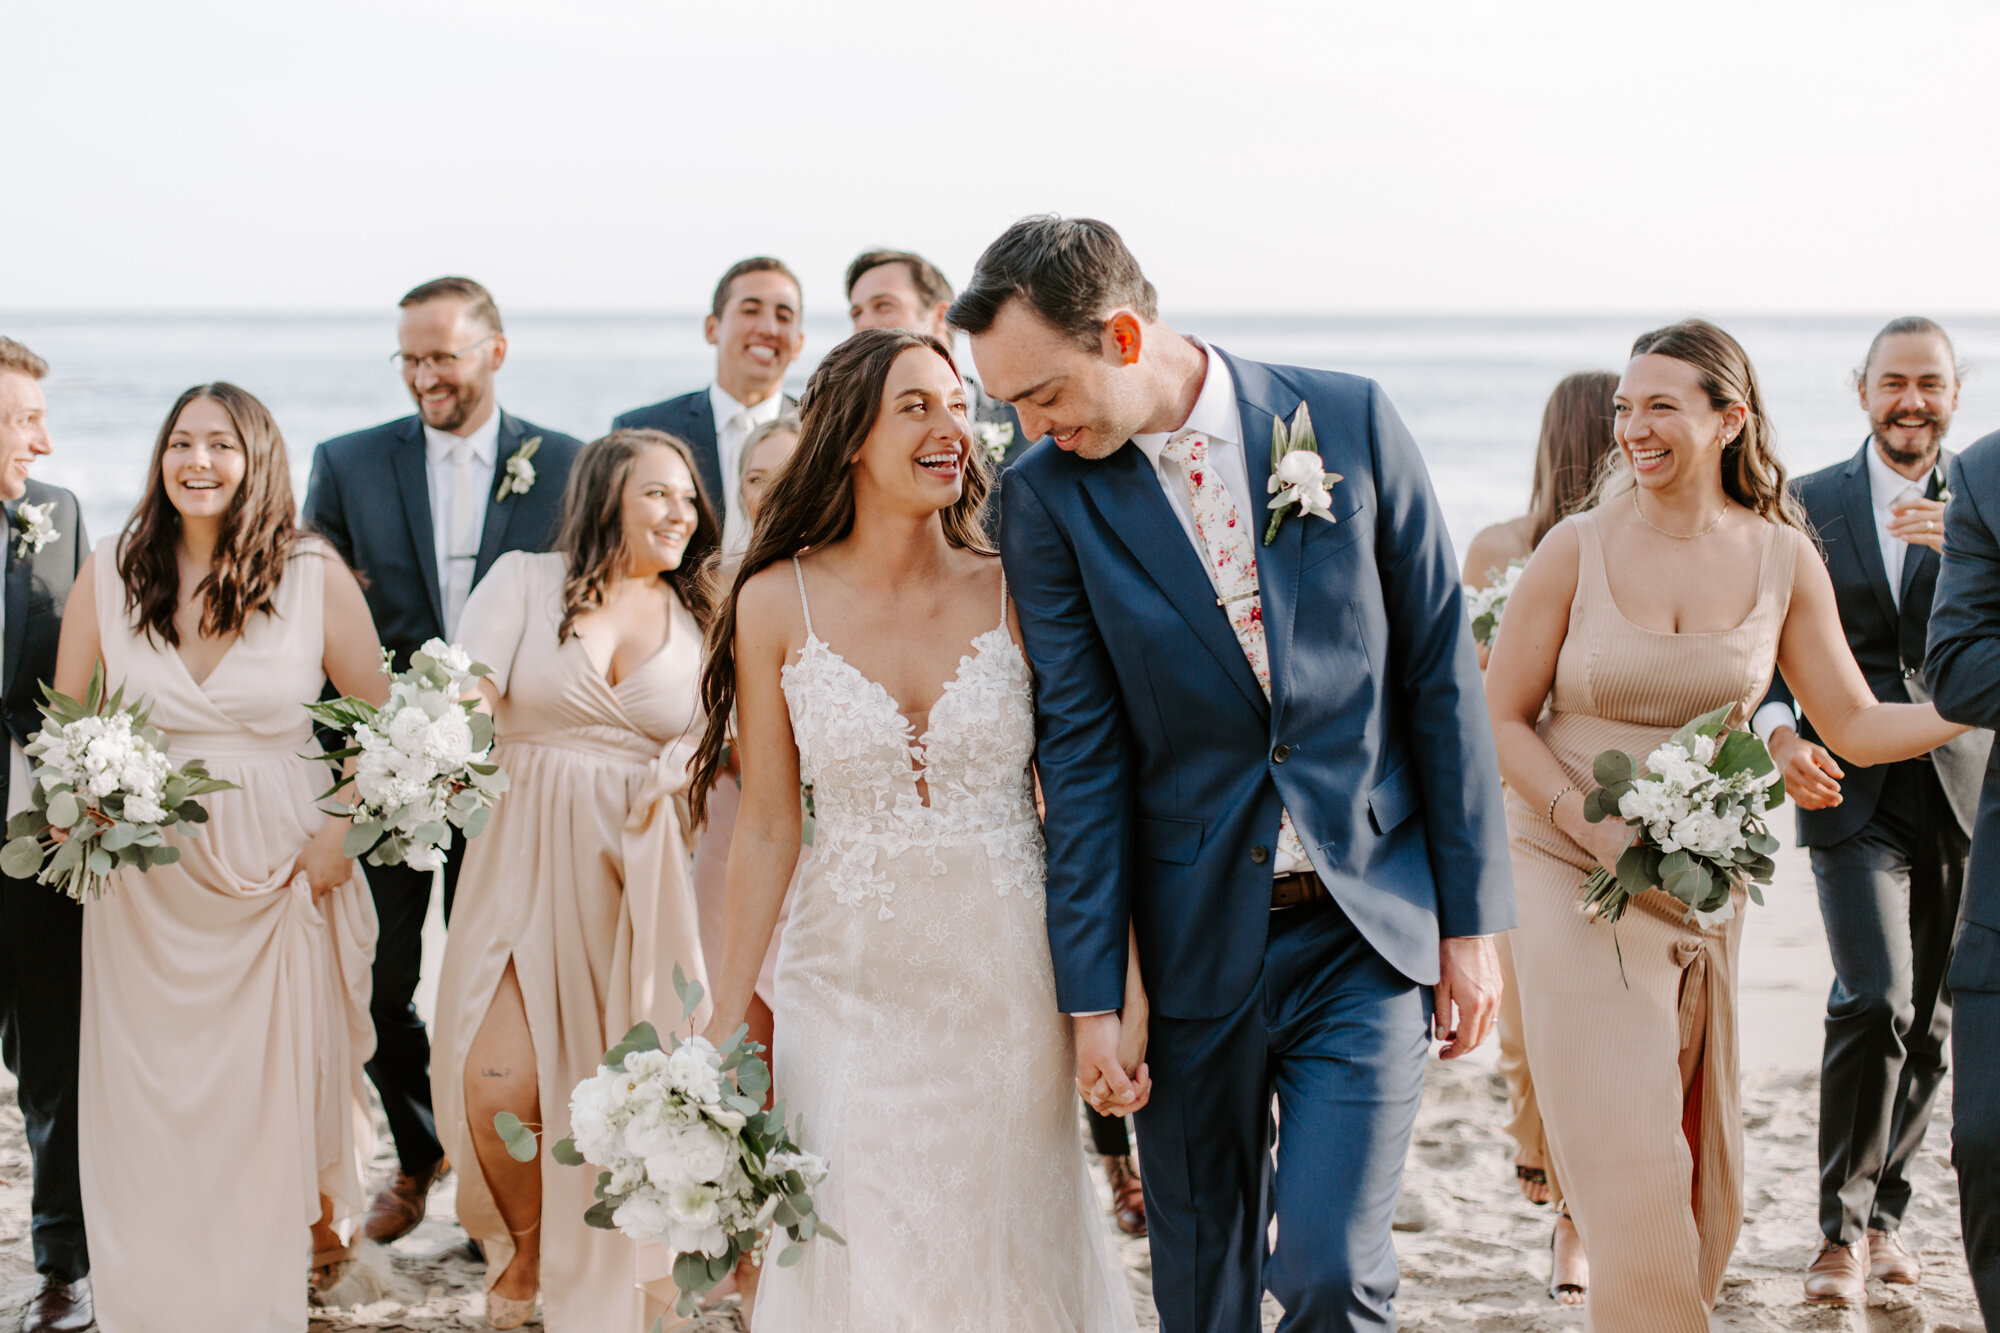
[439,362]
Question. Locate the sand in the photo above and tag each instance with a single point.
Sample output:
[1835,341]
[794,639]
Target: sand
[1474,1253]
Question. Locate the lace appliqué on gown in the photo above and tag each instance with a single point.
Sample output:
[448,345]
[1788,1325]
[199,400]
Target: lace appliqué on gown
[859,755]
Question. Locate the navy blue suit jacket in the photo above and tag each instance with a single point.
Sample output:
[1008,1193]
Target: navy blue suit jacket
[1887,637]
[1163,765]
[1963,666]
[369,495]
[37,587]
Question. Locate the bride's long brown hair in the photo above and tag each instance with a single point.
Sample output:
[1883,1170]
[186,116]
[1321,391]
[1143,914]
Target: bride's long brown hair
[259,529]
[811,503]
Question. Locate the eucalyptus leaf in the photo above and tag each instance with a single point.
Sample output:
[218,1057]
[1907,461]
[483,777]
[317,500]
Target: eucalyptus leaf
[165,856]
[599,1215]
[520,1140]
[21,858]
[790,1255]
[65,810]
[564,1151]
[1612,767]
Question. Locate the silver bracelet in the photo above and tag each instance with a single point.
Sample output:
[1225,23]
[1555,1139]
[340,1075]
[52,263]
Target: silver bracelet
[1552,804]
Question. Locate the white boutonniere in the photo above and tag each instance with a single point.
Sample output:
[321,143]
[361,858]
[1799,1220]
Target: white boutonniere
[34,526]
[519,474]
[1297,475]
[994,437]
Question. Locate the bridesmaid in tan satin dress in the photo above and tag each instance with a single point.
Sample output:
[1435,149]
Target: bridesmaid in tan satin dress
[1675,595]
[575,903]
[225,997]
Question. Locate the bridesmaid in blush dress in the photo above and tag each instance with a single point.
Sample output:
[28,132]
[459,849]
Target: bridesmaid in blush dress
[1690,579]
[222,1110]
[575,905]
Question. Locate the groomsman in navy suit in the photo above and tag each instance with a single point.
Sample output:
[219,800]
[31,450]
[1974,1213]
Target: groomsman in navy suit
[1267,756]
[756,324]
[421,508]
[1963,665]
[41,930]
[1890,856]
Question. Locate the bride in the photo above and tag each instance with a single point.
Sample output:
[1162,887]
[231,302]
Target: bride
[868,652]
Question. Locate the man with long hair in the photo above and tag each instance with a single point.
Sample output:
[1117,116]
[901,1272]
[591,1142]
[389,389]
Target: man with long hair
[1890,853]
[41,931]
[421,507]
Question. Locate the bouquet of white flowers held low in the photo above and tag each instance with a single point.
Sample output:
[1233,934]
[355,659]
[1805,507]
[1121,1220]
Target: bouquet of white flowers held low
[1488,603]
[1699,811]
[421,763]
[687,1157]
[103,781]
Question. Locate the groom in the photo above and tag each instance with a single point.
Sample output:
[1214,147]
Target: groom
[1272,759]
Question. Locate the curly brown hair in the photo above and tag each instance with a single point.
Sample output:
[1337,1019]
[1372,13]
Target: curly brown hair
[592,536]
[259,530]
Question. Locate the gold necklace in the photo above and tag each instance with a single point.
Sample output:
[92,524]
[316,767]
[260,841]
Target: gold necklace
[1678,536]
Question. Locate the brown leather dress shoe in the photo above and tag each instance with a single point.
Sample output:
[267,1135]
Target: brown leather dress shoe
[1839,1275]
[60,1307]
[1128,1196]
[398,1209]
[1889,1261]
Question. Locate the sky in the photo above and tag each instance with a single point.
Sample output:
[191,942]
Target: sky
[1320,156]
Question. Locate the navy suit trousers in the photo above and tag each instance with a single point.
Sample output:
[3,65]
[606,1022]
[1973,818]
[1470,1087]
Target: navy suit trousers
[1975,1139]
[1339,1038]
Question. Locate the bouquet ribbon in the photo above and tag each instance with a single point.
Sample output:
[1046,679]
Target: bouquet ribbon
[658,929]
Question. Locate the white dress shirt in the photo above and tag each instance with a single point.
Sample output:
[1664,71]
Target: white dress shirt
[455,567]
[1216,419]
[733,424]
[1887,488]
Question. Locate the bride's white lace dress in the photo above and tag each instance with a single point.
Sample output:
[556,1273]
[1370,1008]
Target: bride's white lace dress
[917,1027]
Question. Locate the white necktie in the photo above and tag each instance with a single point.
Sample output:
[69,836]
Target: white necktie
[736,522]
[1897,549]
[468,509]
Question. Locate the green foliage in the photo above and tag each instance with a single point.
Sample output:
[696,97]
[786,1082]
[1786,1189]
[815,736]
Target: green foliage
[520,1140]
[96,839]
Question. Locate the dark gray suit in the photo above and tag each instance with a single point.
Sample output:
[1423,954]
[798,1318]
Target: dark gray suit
[370,497]
[1890,862]
[1963,667]
[41,930]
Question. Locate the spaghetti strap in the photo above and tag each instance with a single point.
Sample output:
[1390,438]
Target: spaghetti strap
[804,605]
[1003,599]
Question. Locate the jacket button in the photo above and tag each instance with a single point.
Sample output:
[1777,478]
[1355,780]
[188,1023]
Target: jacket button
[1260,854]
[1281,753]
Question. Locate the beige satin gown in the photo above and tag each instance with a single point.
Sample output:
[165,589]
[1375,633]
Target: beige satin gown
[1638,1084]
[581,878]
[225,1014]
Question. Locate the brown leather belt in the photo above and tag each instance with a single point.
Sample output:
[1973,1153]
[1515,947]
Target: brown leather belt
[1297,890]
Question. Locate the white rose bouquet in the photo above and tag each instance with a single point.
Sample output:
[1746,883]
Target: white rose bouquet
[104,794]
[687,1157]
[1699,811]
[1488,603]
[421,763]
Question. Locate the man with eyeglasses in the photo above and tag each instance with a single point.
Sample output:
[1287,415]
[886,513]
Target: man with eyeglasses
[422,507]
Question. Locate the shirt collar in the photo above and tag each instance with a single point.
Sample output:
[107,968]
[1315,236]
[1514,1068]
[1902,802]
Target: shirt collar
[485,441]
[1214,415]
[725,407]
[1885,484]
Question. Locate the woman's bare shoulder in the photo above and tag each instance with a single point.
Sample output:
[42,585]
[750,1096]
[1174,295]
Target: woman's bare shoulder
[1497,546]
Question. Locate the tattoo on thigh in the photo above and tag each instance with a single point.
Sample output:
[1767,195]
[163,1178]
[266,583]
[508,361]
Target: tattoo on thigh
[496,1073]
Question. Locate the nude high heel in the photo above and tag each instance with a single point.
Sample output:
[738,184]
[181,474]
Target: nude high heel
[505,1311]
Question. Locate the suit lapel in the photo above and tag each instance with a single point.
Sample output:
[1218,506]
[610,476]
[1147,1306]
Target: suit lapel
[413,486]
[499,513]
[1126,490]
[20,573]
[1857,501]
[1259,399]
[699,430]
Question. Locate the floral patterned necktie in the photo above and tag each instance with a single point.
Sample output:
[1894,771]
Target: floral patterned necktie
[1232,569]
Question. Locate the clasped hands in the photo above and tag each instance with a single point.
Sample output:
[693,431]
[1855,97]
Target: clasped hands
[1111,1068]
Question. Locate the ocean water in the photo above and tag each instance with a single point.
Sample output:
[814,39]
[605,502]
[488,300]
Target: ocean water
[1470,388]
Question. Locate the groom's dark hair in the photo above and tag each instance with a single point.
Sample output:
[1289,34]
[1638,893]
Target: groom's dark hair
[1071,271]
